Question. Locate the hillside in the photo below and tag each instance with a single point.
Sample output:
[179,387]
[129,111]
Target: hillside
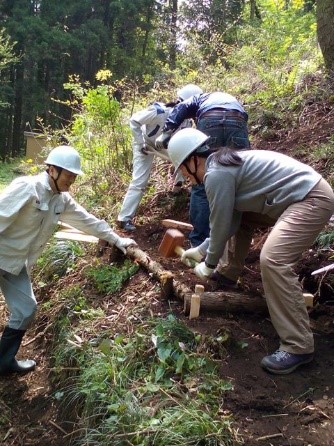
[292,410]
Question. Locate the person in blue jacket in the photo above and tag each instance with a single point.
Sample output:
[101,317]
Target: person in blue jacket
[220,116]
[274,185]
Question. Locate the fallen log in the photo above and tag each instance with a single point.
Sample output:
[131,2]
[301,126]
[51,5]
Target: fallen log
[164,276]
[229,302]
[214,301]
[225,301]
[219,301]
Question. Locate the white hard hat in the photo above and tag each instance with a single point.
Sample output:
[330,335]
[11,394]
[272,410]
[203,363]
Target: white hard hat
[183,143]
[187,91]
[66,157]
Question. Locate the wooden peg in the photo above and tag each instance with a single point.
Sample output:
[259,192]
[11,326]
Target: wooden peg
[195,303]
[309,300]
[199,289]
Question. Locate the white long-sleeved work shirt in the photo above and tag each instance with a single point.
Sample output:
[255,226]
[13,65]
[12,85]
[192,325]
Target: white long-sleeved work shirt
[29,212]
[146,125]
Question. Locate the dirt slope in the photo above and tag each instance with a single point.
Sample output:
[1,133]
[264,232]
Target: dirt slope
[292,410]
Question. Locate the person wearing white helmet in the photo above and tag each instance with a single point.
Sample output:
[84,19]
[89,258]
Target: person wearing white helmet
[30,209]
[146,125]
[276,186]
[188,91]
[220,116]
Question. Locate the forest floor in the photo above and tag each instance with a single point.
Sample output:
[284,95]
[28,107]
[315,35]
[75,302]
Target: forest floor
[291,410]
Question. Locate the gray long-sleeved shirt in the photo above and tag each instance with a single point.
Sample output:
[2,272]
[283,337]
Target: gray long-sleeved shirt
[267,183]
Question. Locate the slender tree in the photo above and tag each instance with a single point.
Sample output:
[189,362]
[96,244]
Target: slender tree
[7,59]
[325,30]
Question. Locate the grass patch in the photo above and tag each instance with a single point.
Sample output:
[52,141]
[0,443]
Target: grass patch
[154,386]
[110,278]
[8,171]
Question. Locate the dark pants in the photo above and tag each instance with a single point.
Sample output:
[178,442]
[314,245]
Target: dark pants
[199,215]
[230,132]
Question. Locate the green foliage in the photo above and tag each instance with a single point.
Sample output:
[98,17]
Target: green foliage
[97,129]
[173,341]
[326,239]
[7,56]
[75,311]
[110,278]
[117,391]
[8,171]
[57,260]
[277,57]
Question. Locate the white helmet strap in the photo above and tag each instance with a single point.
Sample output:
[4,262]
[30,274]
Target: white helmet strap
[55,180]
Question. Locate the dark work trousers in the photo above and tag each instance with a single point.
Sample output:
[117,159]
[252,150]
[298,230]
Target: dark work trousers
[223,131]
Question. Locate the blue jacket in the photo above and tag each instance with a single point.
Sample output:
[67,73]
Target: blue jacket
[198,104]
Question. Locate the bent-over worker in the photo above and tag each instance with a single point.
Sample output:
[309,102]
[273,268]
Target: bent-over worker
[30,208]
[220,116]
[146,126]
[282,188]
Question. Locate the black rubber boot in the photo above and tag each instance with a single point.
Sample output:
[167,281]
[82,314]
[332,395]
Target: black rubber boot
[9,345]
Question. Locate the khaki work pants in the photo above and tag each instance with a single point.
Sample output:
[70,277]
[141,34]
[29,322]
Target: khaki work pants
[294,232]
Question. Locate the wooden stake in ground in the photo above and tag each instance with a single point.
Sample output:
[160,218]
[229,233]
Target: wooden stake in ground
[195,302]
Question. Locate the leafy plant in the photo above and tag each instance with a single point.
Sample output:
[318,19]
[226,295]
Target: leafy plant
[8,171]
[121,400]
[57,259]
[110,278]
[326,239]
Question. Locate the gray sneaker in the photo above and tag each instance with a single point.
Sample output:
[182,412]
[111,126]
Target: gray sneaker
[282,363]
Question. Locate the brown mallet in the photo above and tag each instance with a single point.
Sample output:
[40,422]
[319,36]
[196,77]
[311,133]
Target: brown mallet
[171,245]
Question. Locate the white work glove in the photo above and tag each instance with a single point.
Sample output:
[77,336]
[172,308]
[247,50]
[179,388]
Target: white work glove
[161,143]
[123,242]
[202,271]
[193,254]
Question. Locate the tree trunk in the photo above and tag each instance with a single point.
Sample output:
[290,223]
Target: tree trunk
[325,30]
[173,34]
[254,10]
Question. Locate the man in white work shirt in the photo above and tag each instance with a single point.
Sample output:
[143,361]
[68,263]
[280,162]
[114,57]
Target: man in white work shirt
[30,208]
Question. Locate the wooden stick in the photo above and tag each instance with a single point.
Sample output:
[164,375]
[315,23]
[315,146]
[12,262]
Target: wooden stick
[268,437]
[168,223]
[77,236]
[58,427]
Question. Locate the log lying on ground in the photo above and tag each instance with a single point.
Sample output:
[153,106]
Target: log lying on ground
[164,276]
[228,301]
[214,301]
[220,301]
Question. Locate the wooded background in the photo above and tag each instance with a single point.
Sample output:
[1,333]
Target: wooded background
[44,42]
